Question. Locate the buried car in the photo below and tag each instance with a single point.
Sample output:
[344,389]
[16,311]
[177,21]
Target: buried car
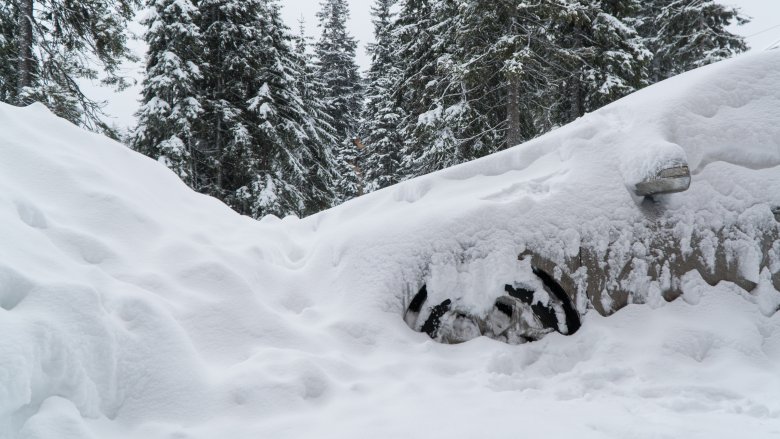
[624,206]
[542,297]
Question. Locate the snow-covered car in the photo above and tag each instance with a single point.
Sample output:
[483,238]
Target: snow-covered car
[629,232]
[542,297]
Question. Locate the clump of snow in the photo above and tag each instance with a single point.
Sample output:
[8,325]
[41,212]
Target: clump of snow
[131,306]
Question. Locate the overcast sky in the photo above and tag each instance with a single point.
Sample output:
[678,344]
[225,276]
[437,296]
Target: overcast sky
[763,31]
[359,23]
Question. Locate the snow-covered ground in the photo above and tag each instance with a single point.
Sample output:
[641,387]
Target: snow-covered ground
[132,307]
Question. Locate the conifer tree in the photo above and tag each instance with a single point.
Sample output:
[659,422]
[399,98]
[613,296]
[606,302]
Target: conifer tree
[382,158]
[8,53]
[453,127]
[418,48]
[478,76]
[230,31]
[229,107]
[264,146]
[501,51]
[341,92]
[452,89]
[686,34]
[54,44]
[598,45]
[318,125]
[308,81]
[171,105]
[338,71]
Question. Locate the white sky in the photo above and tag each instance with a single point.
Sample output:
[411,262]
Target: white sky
[763,31]
[359,24]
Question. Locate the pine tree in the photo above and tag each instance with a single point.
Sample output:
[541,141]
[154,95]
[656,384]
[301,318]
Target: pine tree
[452,83]
[8,53]
[481,76]
[686,34]
[224,107]
[545,56]
[57,43]
[318,126]
[599,54]
[478,76]
[418,49]
[308,82]
[453,128]
[341,93]
[338,71]
[264,146]
[382,158]
[502,50]
[171,106]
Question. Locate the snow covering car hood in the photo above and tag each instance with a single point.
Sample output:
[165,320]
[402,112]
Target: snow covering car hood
[130,305]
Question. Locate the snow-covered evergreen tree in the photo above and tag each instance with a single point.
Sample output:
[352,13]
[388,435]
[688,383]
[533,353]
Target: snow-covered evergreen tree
[335,51]
[8,53]
[306,120]
[381,116]
[265,147]
[419,44]
[500,47]
[341,92]
[308,80]
[57,43]
[600,54]
[478,76]
[533,67]
[171,101]
[318,126]
[454,86]
[454,129]
[231,52]
[686,34]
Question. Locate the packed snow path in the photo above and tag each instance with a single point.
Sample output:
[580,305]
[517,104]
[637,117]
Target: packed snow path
[132,307]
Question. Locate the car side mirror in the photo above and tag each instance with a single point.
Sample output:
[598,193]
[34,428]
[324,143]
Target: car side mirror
[665,181]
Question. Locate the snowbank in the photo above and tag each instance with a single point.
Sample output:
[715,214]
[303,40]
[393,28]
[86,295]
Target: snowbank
[133,307]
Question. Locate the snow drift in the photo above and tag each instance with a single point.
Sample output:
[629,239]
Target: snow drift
[131,306]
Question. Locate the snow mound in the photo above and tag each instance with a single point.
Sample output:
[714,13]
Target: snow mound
[131,306]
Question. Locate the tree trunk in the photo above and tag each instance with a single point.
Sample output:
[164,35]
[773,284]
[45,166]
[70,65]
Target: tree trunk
[513,133]
[193,176]
[219,93]
[577,108]
[25,41]
[220,158]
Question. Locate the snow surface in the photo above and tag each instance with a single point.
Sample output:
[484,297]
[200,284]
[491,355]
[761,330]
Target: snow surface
[132,307]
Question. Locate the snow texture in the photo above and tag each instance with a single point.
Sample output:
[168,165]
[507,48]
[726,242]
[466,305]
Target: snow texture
[131,306]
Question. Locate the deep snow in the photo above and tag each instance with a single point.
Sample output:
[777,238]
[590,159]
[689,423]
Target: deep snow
[132,307]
